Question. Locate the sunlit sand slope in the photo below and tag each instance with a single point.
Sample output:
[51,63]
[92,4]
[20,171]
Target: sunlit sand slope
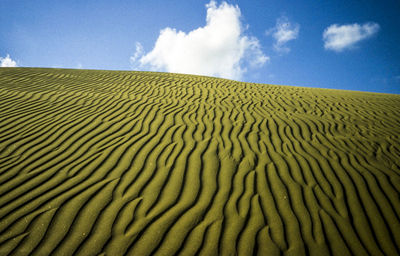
[141,163]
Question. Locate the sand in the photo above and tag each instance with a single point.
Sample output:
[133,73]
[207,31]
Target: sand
[146,163]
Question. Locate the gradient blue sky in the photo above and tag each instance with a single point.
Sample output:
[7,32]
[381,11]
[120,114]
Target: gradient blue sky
[103,35]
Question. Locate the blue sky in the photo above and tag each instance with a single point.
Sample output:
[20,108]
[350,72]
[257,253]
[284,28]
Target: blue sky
[277,42]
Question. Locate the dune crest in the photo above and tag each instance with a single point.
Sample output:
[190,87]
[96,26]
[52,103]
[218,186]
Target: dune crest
[144,163]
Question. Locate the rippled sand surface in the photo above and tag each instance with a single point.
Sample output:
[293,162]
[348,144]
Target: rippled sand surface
[143,163]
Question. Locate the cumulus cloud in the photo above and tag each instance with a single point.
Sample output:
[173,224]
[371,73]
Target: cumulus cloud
[218,49]
[7,62]
[338,38]
[283,32]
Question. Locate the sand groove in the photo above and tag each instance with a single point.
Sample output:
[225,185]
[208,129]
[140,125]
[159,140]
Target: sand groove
[143,163]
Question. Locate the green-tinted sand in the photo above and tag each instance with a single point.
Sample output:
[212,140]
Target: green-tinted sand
[142,163]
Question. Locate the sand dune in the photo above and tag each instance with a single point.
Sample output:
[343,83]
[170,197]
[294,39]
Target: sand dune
[143,163]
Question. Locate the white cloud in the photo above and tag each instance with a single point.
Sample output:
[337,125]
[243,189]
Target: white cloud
[339,38]
[138,54]
[7,62]
[217,49]
[283,32]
